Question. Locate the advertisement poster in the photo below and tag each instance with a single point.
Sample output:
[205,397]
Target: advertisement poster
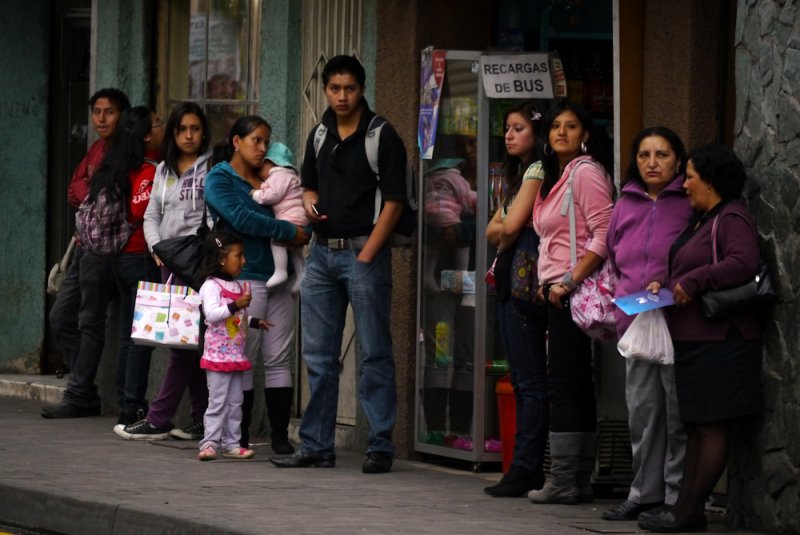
[431,81]
[518,76]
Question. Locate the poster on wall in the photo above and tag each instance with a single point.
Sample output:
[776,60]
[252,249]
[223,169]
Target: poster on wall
[517,76]
[431,81]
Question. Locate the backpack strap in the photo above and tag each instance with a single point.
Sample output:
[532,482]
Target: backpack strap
[371,147]
[320,133]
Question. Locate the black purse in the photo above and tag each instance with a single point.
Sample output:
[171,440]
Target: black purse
[751,296]
[183,254]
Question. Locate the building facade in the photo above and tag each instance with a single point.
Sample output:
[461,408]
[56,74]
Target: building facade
[717,71]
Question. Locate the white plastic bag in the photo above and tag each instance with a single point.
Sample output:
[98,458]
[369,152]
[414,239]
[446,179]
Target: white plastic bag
[648,339]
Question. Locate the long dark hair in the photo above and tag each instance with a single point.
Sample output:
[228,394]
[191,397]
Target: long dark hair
[216,247]
[550,163]
[243,126]
[125,154]
[675,144]
[513,166]
[170,147]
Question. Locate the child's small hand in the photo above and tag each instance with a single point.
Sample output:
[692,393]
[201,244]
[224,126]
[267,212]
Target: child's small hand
[243,301]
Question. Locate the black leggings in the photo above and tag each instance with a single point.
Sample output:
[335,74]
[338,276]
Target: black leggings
[570,382]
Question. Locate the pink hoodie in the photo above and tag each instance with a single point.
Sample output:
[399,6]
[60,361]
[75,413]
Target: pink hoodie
[591,191]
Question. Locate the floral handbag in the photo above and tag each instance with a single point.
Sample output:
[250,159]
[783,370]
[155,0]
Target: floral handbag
[524,281]
[592,302]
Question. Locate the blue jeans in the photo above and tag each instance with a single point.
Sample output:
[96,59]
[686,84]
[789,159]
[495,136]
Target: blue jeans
[133,361]
[332,279]
[523,327]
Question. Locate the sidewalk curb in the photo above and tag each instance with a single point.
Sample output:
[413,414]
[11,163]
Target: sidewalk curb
[30,387]
[64,514]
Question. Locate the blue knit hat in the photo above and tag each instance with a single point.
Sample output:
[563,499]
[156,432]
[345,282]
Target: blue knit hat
[280,155]
[443,163]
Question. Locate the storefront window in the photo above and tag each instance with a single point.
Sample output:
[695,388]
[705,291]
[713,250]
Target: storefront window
[209,58]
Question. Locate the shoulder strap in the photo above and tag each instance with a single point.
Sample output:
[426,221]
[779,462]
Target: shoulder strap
[714,226]
[371,147]
[569,206]
[320,132]
[372,143]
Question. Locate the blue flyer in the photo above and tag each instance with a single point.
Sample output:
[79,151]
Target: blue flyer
[644,300]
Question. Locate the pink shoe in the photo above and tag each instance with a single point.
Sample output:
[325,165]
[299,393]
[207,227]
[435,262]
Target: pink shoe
[463,443]
[207,454]
[238,453]
[492,445]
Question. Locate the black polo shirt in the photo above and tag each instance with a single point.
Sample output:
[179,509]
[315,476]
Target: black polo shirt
[342,177]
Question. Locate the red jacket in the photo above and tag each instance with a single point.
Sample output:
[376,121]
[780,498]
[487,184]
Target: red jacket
[81,178]
[141,185]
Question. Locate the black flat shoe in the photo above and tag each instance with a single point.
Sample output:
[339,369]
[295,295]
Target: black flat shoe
[628,510]
[667,523]
[654,512]
[517,482]
[304,460]
[377,462]
[68,410]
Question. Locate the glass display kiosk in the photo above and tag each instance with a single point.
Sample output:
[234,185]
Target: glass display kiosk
[459,354]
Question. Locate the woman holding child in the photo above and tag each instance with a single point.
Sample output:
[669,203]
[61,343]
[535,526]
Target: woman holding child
[228,194]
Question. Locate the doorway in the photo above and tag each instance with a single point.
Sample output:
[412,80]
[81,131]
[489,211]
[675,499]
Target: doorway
[67,135]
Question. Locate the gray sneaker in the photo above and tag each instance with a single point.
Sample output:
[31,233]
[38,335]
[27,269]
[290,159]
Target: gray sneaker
[192,431]
[142,430]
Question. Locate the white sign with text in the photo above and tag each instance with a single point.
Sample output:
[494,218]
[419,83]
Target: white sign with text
[517,76]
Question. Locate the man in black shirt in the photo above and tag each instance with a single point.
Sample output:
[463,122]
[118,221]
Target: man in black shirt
[354,213]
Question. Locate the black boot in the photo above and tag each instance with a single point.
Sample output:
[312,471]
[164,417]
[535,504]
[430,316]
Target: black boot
[279,410]
[517,482]
[247,417]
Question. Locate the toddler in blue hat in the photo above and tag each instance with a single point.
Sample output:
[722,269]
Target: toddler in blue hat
[281,190]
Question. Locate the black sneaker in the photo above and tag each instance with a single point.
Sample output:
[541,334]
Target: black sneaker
[68,410]
[377,462]
[142,430]
[193,431]
[131,415]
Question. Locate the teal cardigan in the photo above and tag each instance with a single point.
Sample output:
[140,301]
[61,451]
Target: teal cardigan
[228,197]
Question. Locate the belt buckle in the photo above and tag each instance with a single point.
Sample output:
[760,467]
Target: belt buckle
[337,244]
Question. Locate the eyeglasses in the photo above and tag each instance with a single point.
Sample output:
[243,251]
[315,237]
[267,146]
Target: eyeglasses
[157,124]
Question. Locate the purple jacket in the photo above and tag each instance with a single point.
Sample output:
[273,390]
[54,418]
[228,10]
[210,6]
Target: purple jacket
[640,235]
[692,266]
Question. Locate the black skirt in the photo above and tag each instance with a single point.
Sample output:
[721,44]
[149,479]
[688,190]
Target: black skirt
[718,381]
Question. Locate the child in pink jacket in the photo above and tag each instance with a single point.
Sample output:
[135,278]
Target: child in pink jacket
[281,190]
[448,197]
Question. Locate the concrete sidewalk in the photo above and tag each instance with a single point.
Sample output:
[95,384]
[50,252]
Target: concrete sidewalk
[78,477]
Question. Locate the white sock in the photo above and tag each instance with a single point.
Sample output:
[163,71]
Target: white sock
[280,257]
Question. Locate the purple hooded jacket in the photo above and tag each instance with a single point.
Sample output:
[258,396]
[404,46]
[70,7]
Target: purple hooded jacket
[640,235]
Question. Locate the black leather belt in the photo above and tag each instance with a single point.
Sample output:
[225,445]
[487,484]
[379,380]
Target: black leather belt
[343,244]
